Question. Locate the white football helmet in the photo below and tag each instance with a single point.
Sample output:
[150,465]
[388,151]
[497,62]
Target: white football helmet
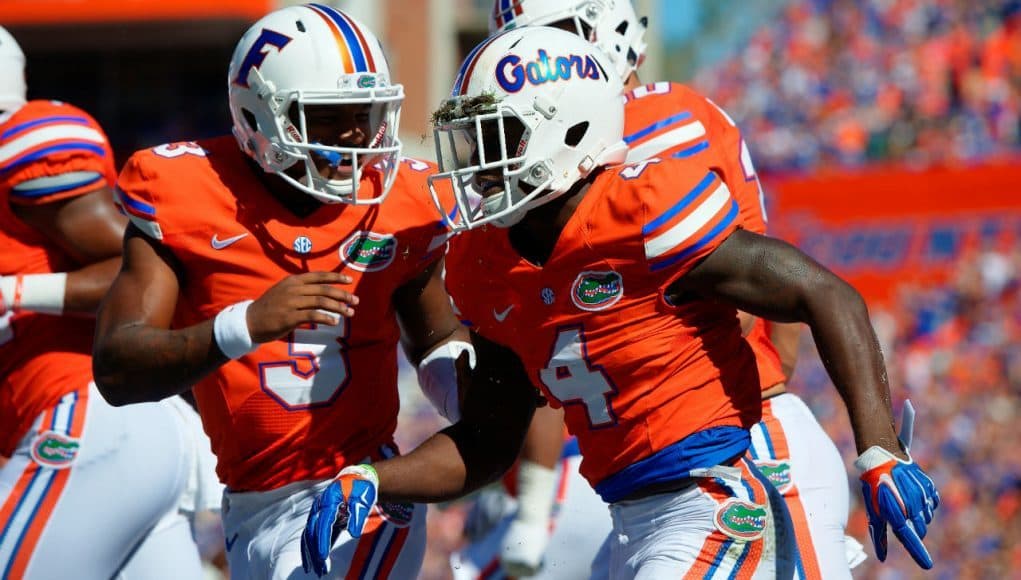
[12,73]
[609,24]
[314,55]
[533,110]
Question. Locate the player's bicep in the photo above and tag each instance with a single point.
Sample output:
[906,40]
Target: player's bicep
[146,289]
[424,312]
[757,274]
[88,226]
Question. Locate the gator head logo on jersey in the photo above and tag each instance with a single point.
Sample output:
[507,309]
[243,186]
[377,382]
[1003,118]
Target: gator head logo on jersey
[741,520]
[597,290]
[54,450]
[777,472]
[368,251]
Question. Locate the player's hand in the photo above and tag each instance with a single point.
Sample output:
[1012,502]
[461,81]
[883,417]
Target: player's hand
[312,297]
[900,494]
[523,548]
[345,504]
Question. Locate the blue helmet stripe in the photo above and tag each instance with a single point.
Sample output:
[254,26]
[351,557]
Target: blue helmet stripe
[350,37]
[467,65]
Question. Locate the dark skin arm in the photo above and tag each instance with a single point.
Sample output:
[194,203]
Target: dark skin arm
[483,444]
[89,228]
[479,448]
[424,313]
[785,337]
[138,358]
[774,280]
[545,439]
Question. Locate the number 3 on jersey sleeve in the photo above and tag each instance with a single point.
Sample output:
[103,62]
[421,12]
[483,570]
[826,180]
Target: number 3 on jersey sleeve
[571,378]
[316,369]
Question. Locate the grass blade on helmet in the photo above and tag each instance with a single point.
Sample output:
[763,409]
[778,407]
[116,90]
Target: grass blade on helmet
[303,64]
[520,127]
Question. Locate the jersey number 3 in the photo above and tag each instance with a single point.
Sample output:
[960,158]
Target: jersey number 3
[315,371]
[571,378]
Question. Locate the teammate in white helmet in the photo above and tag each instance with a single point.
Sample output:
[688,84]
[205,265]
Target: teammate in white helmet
[245,260]
[618,287]
[665,119]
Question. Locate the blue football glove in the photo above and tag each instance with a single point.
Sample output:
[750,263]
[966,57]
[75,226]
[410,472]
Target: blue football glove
[345,504]
[898,493]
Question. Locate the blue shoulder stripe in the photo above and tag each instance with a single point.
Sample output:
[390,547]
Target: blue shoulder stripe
[42,191]
[710,235]
[36,122]
[135,204]
[682,116]
[67,146]
[679,206]
[696,148]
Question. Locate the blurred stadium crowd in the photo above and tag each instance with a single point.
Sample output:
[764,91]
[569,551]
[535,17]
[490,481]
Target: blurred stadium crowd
[956,352]
[854,81]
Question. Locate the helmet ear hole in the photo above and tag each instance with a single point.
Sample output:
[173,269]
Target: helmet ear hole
[575,134]
[249,116]
[622,28]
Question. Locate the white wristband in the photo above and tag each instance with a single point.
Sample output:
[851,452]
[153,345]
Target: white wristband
[230,330]
[43,293]
[536,489]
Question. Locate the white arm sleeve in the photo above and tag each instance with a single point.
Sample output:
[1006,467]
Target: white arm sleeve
[437,376]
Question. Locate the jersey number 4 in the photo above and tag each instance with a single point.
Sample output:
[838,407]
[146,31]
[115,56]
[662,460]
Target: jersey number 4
[315,371]
[572,379]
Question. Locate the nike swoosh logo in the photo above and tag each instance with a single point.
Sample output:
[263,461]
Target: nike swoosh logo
[501,316]
[221,244]
[230,542]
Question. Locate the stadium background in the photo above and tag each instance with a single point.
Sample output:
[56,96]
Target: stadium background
[886,133]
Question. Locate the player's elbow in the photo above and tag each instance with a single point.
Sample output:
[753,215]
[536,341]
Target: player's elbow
[109,386]
[828,294]
[111,383]
[488,449]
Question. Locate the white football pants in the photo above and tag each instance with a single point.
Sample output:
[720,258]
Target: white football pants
[95,492]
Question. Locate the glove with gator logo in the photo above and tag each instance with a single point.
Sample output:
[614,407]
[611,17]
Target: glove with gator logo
[898,493]
[345,504]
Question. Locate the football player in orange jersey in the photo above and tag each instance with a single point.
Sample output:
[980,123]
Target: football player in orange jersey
[627,279]
[73,460]
[245,262]
[666,119]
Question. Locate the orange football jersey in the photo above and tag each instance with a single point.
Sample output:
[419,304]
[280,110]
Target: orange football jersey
[671,120]
[43,357]
[634,373]
[325,397]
